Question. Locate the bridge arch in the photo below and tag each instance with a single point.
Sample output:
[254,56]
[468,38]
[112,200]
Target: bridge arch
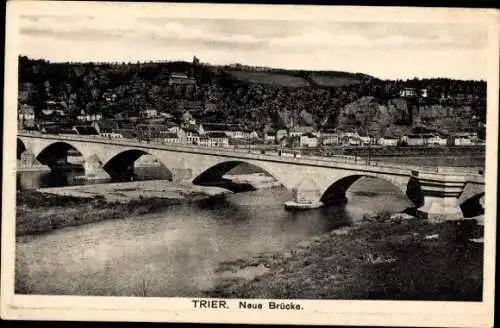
[21,148]
[56,153]
[121,166]
[213,176]
[336,192]
[473,206]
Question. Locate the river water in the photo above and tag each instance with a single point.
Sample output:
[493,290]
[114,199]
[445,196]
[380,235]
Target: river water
[180,250]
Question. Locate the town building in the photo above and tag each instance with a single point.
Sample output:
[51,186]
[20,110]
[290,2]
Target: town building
[126,133]
[204,141]
[174,128]
[350,138]
[300,130]
[388,141]
[408,92]
[26,116]
[270,137]
[421,139]
[250,135]
[151,132]
[233,131]
[111,135]
[365,139]
[192,136]
[308,140]
[462,139]
[84,117]
[150,113]
[84,130]
[437,140]
[180,79]
[171,138]
[218,139]
[329,137]
[280,134]
[352,141]
[102,127]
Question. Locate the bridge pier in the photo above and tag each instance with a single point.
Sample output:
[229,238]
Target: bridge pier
[440,198]
[28,161]
[306,195]
[181,172]
[94,171]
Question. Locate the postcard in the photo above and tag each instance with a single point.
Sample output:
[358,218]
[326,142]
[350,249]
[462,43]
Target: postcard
[223,163]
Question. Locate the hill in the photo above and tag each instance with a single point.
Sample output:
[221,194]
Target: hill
[257,97]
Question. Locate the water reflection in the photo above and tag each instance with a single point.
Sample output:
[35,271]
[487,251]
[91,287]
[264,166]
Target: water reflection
[64,176]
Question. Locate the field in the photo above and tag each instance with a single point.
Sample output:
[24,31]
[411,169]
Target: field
[333,81]
[270,78]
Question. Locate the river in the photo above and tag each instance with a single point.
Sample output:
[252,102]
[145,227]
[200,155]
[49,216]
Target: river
[180,251]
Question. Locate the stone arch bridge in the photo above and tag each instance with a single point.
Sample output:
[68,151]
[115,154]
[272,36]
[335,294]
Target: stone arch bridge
[437,194]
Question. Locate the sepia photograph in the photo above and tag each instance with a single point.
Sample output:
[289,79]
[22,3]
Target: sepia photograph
[235,164]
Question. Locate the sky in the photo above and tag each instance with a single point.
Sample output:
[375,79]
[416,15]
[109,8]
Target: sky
[384,50]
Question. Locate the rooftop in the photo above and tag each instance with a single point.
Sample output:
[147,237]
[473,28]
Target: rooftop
[216,135]
[86,130]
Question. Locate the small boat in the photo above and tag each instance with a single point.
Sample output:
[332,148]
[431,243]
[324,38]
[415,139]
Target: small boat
[296,206]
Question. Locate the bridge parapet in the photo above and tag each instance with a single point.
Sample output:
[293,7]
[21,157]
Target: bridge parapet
[238,153]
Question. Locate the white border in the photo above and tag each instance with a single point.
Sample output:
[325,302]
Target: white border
[394,313]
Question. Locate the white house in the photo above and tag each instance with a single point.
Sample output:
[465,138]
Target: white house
[149,113]
[280,134]
[205,141]
[308,140]
[408,92]
[270,137]
[353,140]
[388,141]
[180,79]
[171,138]
[365,139]
[174,129]
[89,117]
[191,137]
[462,139]
[111,135]
[417,139]
[250,135]
[233,131]
[26,116]
[218,139]
[329,137]
[437,140]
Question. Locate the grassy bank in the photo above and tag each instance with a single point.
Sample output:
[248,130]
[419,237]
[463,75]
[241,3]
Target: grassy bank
[38,212]
[377,259]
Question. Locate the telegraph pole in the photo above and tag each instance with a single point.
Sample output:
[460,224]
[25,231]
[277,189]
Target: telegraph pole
[369,150]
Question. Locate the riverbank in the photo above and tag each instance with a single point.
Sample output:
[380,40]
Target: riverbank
[392,258]
[47,209]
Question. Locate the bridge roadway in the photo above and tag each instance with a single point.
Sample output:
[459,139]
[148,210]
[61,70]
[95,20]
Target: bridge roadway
[437,192]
